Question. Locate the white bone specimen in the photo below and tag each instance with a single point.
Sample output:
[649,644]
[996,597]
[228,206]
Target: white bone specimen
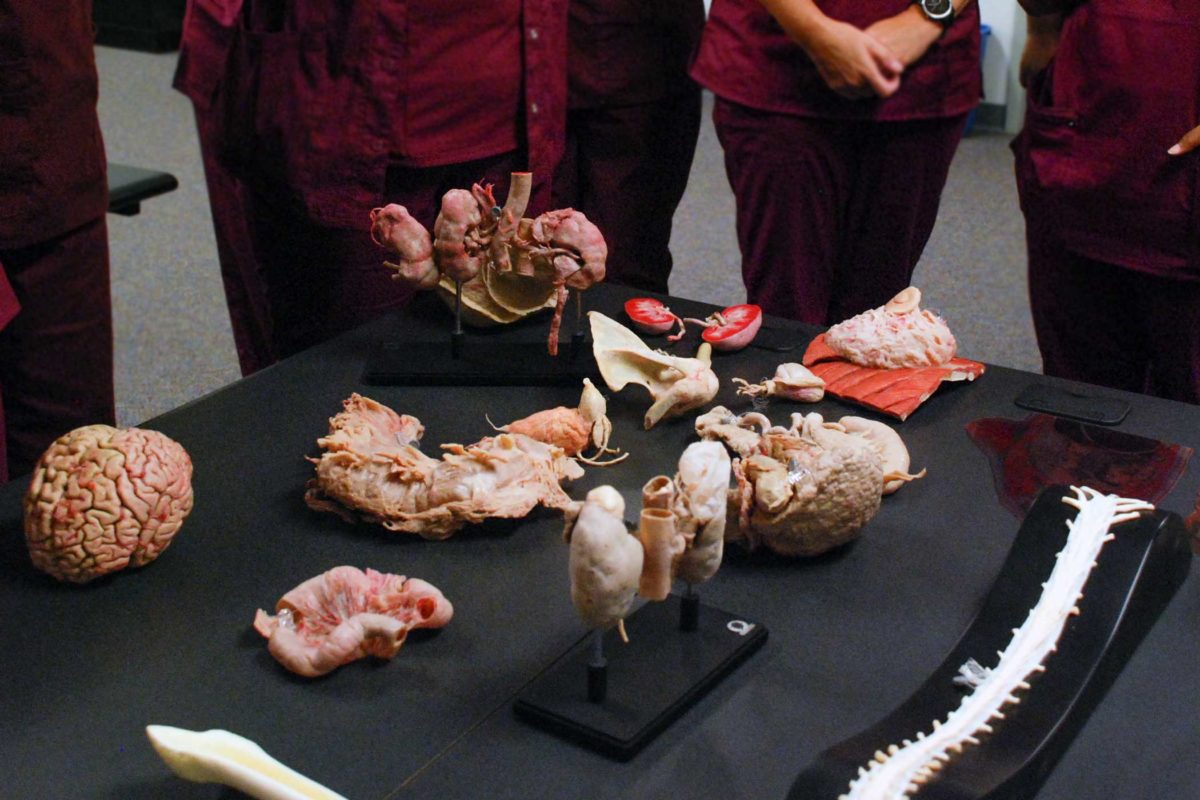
[792,381]
[218,756]
[371,467]
[102,499]
[898,334]
[346,614]
[903,769]
[573,429]
[677,385]
[606,560]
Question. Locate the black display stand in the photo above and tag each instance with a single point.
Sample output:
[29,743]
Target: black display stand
[651,681]
[1136,575]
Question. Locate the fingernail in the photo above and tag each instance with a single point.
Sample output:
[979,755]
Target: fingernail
[1175,150]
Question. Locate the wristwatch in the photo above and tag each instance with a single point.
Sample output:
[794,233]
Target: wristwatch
[940,11]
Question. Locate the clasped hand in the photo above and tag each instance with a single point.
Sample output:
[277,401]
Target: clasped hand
[858,63]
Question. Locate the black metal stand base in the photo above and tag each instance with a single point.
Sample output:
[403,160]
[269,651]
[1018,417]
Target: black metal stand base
[1135,577]
[651,681]
[476,361]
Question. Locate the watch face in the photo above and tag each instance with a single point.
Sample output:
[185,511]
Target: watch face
[937,9]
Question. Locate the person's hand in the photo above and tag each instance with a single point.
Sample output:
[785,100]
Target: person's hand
[853,63]
[1189,142]
[907,34]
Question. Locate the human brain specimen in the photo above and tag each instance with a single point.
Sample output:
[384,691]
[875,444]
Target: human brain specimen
[105,498]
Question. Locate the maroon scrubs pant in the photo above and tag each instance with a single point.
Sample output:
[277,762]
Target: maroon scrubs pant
[832,215]
[1108,325]
[56,355]
[290,282]
[626,168]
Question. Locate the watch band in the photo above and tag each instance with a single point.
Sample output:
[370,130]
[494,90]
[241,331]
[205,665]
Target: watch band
[940,11]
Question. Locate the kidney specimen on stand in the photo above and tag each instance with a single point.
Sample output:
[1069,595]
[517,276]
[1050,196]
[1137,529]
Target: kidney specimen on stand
[371,468]
[102,499]
[508,266]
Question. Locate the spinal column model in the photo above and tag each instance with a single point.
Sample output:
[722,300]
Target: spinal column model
[902,770]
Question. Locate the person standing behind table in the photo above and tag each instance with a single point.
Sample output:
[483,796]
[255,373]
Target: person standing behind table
[632,124]
[1108,174]
[838,120]
[312,112]
[56,350]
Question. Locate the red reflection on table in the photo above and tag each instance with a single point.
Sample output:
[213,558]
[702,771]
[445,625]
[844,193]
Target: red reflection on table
[1042,450]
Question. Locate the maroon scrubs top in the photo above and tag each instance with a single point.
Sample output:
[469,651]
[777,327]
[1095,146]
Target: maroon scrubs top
[1092,163]
[628,52]
[308,100]
[746,57]
[48,184]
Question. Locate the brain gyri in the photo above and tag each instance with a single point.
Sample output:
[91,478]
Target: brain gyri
[105,498]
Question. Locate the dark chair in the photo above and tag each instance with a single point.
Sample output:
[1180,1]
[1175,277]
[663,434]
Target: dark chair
[129,186]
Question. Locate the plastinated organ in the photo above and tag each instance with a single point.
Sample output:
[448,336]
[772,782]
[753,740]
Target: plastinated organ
[104,498]
[371,467]
[677,385]
[573,429]
[806,489]
[509,266]
[730,329]
[606,559]
[346,614]
[890,359]
[898,334]
[903,769]
[791,382]
[681,534]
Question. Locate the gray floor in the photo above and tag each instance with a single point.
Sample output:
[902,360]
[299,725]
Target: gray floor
[172,329]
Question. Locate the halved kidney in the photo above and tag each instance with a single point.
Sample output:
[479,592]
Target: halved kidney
[733,328]
[650,316]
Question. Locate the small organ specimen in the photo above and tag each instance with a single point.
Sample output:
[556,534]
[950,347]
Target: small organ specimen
[346,614]
[509,266]
[791,382]
[677,385]
[105,498]
[902,770]
[217,756]
[573,429]
[371,468]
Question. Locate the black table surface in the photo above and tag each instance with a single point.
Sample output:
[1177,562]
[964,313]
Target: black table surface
[852,634]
